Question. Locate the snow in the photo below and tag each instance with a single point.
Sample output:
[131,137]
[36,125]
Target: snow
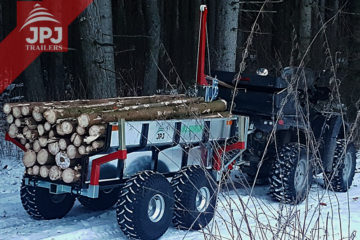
[336,213]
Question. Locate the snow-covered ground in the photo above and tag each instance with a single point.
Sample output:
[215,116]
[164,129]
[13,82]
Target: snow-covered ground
[237,217]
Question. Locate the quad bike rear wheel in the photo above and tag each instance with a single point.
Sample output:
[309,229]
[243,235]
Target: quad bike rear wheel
[107,198]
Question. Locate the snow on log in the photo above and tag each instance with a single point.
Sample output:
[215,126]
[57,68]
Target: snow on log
[63,160]
[29,158]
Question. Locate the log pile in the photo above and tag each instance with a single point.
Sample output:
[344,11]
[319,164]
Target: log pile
[57,134]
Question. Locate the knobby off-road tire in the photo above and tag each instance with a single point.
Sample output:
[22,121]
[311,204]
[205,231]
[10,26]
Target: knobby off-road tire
[107,199]
[40,204]
[291,174]
[145,206]
[344,164]
[195,198]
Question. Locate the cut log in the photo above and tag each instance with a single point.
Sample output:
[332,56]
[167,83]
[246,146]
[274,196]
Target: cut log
[37,114]
[43,157]
[40,129]
[151,113]
[36,170]
[23,141]
[80,130]
[55,173]
[89,149]
[63,160]
[51,134]
[29,158]
[10,119]
[44,171]
[43,141]
[82,150]
[54,148]
[76,139]
[59,130]
[7,108]
[19,122]
[90,139]
[70,175]
[36,146]
[25,129]
[16,112]
[25,110]
[28,146]
[97,130]
[47,126]
[72,152]
[97,144]
[29,171]
[67,127]
[63,143]
[13,130]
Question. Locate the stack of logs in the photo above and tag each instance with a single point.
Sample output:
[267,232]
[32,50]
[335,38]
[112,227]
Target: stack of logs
[57,134]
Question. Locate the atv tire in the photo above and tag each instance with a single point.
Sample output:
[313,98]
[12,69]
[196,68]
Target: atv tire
[39,203]
[291,174]
[107,199]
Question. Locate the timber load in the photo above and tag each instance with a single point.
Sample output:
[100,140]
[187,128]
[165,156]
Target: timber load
[58,134]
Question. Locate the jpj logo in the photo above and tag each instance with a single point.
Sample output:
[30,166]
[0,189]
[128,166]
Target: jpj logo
[43,31]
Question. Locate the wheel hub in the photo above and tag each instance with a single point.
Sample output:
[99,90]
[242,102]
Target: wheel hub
[202,199]
[156,208]
[301,174]
[347,166]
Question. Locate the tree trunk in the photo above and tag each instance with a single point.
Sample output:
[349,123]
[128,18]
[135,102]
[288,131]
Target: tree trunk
[98,49]
[305,27]
[226,42]
[153,27]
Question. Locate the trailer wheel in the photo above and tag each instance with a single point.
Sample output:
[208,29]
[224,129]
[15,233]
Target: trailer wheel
[291,174]
[145,206]
[39,203]
[344,164]
[107,198]
[195,198]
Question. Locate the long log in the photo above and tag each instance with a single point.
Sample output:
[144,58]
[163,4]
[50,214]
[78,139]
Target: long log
[144,111]
[70,175]
[55,173]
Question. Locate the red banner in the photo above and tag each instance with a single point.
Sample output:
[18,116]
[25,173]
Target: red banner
[42,26]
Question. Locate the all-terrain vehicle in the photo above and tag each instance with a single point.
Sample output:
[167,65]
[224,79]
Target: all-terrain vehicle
[164,171]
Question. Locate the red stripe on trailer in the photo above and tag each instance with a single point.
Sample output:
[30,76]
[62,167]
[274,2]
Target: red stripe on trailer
[10,139]
[201,78]
[220,151]
[95,167]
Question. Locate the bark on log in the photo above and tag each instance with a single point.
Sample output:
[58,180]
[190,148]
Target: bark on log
[29,158]
[72,152]
[36,146]
[36,170]
[44,158]
[44,171]
[151,111]
[70,175]
[54,148]
[55,173]
[97,130]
